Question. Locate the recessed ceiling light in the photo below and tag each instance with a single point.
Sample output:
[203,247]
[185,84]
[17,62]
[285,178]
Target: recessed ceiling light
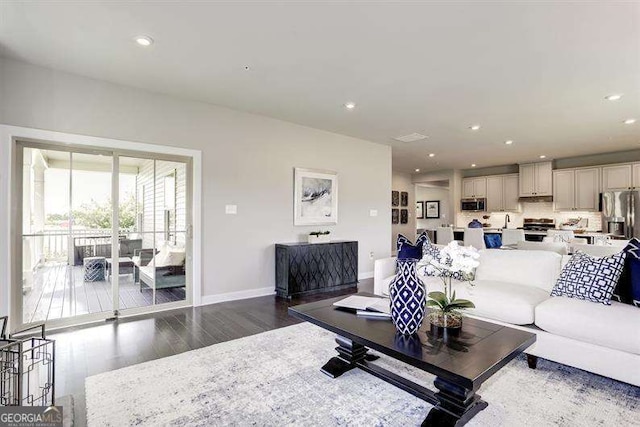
[474,127]
[629,121]
[473,165]
[350,105]
[508,142]
[417,170]
[542,156]
[432,155]
[614,97]
[144,41]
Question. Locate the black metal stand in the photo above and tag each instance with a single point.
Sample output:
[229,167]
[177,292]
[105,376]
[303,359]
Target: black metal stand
[27,368]
[453,405]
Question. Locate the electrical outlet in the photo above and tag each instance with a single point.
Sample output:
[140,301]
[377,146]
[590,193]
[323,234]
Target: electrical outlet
[371,256]
[231,209]
[373,212]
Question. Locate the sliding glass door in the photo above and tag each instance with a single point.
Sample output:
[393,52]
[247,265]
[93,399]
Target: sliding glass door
[82,257]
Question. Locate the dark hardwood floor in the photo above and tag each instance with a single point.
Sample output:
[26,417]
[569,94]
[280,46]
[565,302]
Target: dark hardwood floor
[89,350]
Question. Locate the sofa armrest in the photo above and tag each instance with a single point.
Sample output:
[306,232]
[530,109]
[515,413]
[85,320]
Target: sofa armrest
[382,269]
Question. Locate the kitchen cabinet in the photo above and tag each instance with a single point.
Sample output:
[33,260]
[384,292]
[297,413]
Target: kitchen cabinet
[636,175]
[474,188]
[576,189]
[564,190]
[511,192]
[617,177]
[536,179]
[502,193]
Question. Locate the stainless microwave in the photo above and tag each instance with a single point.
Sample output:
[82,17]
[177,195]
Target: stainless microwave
[473,205]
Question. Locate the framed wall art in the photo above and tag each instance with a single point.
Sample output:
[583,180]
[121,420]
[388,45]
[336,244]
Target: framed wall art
[315,197]
[395,198]
[419,210]
[404,198]
[404,216]
[432,209]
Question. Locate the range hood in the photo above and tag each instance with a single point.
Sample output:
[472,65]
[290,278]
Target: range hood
[536,199]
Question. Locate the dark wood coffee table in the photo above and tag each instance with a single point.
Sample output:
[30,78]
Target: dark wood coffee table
[461,364]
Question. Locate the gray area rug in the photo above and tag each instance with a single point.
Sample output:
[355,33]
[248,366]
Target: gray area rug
[273,379]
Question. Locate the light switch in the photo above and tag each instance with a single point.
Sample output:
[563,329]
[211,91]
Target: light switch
[231,209]
[373,212]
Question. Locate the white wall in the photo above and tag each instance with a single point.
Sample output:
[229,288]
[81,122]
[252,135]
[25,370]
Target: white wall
[247,160]
[402,182]
[433,193]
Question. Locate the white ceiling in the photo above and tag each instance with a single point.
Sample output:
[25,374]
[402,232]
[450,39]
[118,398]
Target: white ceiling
[533,72]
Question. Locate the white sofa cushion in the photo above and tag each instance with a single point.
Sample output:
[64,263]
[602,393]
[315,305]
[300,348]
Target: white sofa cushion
[502,301]
[614,326]
[527,268]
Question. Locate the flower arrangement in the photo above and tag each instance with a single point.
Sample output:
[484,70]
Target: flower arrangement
[451,262]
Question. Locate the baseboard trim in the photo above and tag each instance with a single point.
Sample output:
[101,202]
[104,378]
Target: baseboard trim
[233,296]
[367,275]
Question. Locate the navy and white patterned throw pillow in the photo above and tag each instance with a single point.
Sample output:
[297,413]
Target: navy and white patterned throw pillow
[590,278]
[628,288]
[407,250]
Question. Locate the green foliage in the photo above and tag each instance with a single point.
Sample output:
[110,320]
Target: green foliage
[320,233]
[98,215]
[441,301]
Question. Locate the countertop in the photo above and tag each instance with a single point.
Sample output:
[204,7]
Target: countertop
[494,230]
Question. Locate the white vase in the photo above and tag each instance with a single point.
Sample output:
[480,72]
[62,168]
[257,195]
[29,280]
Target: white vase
[322,238]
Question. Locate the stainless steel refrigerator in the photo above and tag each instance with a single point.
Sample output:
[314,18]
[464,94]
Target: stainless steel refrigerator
[621,213]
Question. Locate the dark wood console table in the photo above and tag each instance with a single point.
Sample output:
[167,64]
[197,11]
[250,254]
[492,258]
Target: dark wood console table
[307,268]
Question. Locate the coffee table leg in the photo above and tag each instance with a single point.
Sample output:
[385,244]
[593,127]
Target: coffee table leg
[349,354]
[457,405]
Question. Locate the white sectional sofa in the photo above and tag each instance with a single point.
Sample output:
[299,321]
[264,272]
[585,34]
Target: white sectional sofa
[512,287]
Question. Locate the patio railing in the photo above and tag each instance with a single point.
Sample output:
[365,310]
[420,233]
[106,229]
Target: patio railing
[54,244]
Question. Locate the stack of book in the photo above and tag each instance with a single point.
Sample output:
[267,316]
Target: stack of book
[366,306]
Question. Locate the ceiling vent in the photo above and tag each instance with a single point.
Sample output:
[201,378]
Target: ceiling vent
[411,137]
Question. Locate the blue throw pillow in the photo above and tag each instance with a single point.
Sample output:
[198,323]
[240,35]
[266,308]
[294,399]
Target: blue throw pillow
[628,288]
[634,270]
[590,278]
[492,241]
[407,250]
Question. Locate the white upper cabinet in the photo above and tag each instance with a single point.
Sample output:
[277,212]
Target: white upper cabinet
[474,188]
[502,193]
[544,179]
[616,177]
[511,192]
[636,175]
[536,179]
[587,189]
[576,189]
[467,188]
[495,197]
[563,190]
[527,179]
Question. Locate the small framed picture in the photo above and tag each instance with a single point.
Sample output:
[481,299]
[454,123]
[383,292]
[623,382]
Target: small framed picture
[395,216]
[395,198]
[404,198]
[404,216]
[419,210]
[432,209]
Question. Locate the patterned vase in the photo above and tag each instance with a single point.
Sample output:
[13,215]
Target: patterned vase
[408,298]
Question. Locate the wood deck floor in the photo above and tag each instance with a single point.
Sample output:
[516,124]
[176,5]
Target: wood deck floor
[59,291]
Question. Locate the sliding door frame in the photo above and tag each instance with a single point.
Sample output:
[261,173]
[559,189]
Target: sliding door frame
[16,138]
